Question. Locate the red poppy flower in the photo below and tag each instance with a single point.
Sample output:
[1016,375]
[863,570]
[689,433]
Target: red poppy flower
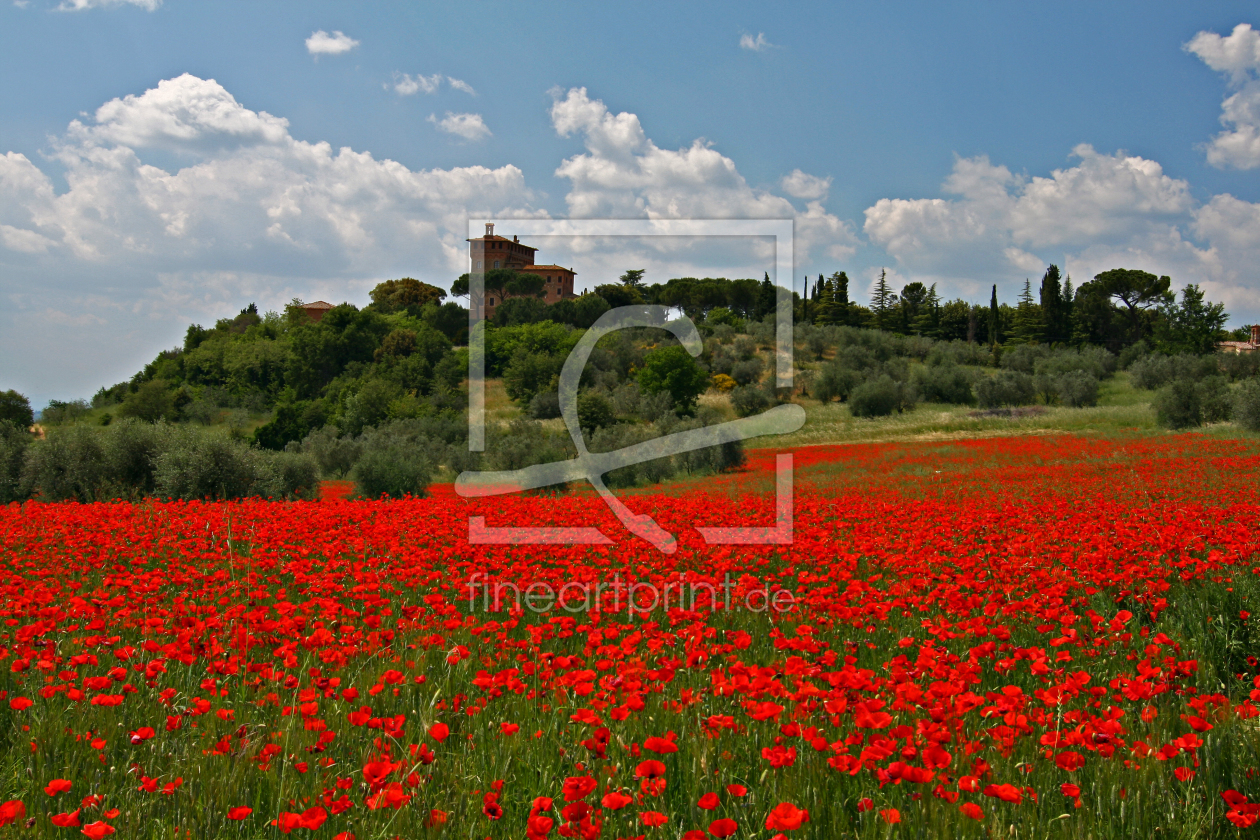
[578,787]
[615,800]
[709,801]
[66,820]
[240,812]
[724,827]
[97,830]
[786,816]
[653,819]
[972,810]
[57,786]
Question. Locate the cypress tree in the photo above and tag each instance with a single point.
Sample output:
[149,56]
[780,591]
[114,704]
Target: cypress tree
[993,317]
[881,300]
[1052,321]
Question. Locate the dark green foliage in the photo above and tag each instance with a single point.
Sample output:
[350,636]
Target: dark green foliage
[321,351]
[1056,317]
[1247,405]
[1023,357]
[748,400]
[293,421]
[944,383]
[450,319]
[880,397]
[1007,387]
[579,312]
[672,369]
[521,310]
[16,409]
[1177,405]
[1193,326]
[203,466]
[14,441]
[131,451]
[334,454]
[393,467]
[530,373]
[1215,398]
[1076,388]
[747,372]
[406,294]
[835,382]
[59,412]
[1156,370]
[594,411]
[1240,365]
[69,464]
[153,401]
[545,405]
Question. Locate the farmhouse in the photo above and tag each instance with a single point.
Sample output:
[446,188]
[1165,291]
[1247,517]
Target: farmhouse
[490,252]
[1242,346]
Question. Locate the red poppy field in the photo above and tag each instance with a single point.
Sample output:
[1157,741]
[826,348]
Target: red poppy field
[1040,636]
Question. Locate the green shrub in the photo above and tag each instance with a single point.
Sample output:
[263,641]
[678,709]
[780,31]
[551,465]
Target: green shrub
[334,454]
[545,405]
[205,466]
[284,475]
[1023,357]
[1215,398]
[1177,405]
[1247,405]
[944,383]
[1006,387]
[1077,389]
[132,448]
[835,382]
[69,464]
[14,441]
[880,397]
[153,401]
[16,409]
[393,470]
[747,372]
[529,374]
[594,411]
[748,400]
[671,368]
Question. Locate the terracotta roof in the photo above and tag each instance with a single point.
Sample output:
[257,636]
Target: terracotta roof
[497,238]
[1246,344]
[548,268]
[319,304]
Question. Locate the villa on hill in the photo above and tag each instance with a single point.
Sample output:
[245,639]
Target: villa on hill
[492,252]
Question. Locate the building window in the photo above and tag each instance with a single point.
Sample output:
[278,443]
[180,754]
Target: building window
[478,265]
[496,263]
[492,301]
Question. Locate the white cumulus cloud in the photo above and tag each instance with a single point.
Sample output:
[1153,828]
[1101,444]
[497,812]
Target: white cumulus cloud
[1238,55]
[799,184]
[133,251]
[758,44]
[470,127]
[406,85]
[82,5]
[460,84]
[321,43]
[623,174]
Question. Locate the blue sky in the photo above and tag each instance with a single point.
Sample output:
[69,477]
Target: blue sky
[961,144]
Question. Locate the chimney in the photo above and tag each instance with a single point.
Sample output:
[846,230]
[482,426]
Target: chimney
[516,238]
[1255,333]
[489,228]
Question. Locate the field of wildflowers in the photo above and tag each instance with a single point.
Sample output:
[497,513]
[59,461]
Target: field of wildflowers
[1046,636]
